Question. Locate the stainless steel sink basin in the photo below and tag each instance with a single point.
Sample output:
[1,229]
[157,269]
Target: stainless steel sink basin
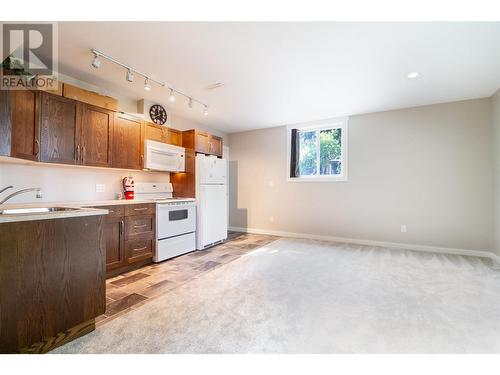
[37,210]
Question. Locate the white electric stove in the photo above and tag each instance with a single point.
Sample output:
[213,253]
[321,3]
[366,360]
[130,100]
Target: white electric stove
[175,219]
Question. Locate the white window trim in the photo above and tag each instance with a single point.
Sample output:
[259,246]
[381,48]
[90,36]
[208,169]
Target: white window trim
[341,122]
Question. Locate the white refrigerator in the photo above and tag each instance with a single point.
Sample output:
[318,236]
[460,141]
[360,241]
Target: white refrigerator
[211,198]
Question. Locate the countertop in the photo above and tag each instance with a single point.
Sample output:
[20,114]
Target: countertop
[83,209]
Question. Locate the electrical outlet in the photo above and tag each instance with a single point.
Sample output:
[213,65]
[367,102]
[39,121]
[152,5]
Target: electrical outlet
[100,188]
[403,228]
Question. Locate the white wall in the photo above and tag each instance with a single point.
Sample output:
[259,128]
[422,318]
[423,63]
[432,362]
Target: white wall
[495,106]
[62,183]
[427,167]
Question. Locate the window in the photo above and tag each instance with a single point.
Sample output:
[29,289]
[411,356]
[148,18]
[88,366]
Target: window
[318,153]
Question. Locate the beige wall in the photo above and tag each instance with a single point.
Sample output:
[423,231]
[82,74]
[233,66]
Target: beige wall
[427,167]
[495,106]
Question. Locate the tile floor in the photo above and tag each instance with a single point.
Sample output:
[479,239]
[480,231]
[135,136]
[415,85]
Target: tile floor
[131,290]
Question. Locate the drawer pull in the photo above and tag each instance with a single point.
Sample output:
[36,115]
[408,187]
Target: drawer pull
[140,226]
[140,248]
[140,209]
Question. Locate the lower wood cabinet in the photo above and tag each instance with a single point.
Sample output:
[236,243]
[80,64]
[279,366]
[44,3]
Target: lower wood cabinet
[130,232]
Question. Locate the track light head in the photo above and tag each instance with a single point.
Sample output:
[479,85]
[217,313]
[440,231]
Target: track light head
[190,102]
[205,111]
[147,86]
[96,63]
[171,97]
[130,76]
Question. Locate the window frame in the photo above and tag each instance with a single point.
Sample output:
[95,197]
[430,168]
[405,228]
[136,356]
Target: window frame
[336,123]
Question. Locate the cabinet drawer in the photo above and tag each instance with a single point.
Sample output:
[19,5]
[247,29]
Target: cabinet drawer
[114,211]
[140,209]
[139,227]
[139,250]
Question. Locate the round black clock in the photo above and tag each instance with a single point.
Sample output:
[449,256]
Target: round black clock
[158,114]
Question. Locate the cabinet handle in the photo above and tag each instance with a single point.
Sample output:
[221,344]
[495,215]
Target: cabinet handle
[140,248]
[140,226]
[37,147]
[121,227]
[140,209]
[78,153]
[84,152]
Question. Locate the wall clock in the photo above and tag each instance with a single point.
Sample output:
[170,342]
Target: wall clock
[158,114]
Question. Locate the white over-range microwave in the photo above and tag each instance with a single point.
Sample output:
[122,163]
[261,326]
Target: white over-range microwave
[163,157]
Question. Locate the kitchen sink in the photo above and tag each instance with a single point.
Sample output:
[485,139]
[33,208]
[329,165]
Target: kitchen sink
[37,210]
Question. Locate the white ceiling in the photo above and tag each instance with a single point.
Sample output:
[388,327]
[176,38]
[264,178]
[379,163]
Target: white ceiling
[283,73]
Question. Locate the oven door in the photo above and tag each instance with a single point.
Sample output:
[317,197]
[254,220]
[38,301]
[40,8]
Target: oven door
[174,219]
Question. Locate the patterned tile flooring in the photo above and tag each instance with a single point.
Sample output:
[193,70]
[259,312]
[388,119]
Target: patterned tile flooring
[133,289]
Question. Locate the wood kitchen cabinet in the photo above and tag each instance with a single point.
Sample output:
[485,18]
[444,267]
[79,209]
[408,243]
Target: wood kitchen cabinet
[127,142]
[19,124]
[59,129]
[202,142]
[95,135]
[115,239]
[130,232]
[52,281]
[163,134]
[25,143]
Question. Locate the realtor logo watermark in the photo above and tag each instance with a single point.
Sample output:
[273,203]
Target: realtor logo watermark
[29,56]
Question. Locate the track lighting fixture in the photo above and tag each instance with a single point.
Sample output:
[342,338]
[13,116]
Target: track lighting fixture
[147,86]
[130,76]
[96,63]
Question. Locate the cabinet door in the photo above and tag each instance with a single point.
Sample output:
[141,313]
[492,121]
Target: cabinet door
[96,129]
[215,145]
[58,133]
[5,122]
[202,142]
[174,137]
[127,142]
[115,244]
[25,124]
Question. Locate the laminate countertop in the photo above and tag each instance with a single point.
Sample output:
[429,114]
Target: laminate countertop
[77,209]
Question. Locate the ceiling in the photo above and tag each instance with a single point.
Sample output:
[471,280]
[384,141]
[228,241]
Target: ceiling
[284,73]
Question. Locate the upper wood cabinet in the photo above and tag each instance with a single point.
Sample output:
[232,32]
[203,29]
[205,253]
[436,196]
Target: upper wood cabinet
[202,142]
[95,135]
[163,134]
[127,142]
[5,122]
[215,145]
[89,97]
[25,141]
[19,124]
[58,129]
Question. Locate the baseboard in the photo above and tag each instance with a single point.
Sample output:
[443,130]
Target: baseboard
[392,245]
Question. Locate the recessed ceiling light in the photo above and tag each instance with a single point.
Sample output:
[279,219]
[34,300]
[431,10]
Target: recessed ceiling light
[413,75]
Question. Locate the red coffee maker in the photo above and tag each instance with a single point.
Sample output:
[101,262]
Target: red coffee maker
[128,187]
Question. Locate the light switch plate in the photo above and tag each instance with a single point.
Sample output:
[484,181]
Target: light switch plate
[100,188]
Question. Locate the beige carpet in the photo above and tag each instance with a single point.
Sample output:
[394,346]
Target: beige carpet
[300,296]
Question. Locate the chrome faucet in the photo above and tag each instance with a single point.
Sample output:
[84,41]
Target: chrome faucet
[38,193]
